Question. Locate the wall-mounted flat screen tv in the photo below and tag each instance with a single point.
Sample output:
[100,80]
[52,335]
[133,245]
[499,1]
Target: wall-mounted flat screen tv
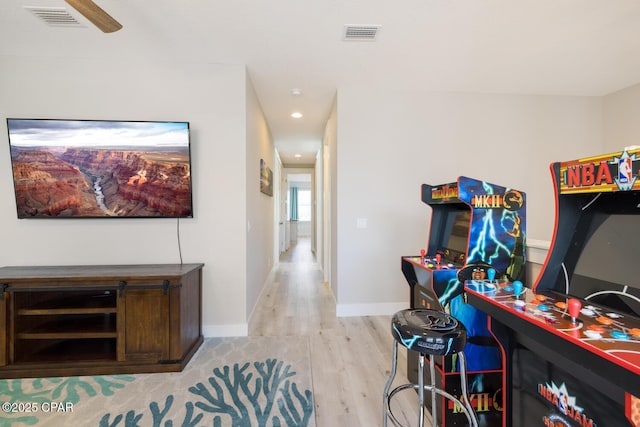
[101,169]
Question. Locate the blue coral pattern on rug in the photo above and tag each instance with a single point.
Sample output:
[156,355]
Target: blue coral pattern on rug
[41,391]
[253,394]
[229,382]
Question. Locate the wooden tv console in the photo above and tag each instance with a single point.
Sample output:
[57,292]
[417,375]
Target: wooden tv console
[99,320]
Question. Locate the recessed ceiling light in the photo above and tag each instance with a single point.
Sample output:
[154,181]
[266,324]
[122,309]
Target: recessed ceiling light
[296,115]
[296,92]
[297,156]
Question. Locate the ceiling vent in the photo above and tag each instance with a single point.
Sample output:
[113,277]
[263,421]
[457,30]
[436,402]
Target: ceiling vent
[54,16]
[361,32]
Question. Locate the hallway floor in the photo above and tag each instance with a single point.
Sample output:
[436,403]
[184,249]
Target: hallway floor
[350,356]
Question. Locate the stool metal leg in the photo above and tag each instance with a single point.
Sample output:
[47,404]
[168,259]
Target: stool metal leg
[421,390]
[434,411]
[464,402]
[392,375]
[465,394]
[468,412]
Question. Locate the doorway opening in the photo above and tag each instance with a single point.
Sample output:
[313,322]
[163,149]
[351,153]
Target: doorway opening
[300,216]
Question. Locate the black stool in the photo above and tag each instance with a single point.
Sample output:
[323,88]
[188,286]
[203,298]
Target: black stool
[430,333]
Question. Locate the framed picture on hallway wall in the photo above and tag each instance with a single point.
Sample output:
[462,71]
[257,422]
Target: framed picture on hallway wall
[266,179]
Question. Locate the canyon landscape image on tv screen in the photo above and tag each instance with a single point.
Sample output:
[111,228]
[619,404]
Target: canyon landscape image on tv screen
[100,169]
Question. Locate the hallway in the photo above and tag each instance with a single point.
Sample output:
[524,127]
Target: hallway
[350,356]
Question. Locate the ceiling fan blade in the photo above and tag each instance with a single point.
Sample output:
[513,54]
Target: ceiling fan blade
[96,15]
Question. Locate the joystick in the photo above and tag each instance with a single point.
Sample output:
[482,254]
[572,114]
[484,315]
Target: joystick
[517,288]
[438,258]
[574,306]
[491,274]
[422,254]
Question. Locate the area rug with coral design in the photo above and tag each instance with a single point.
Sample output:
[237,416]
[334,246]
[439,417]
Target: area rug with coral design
[235,382]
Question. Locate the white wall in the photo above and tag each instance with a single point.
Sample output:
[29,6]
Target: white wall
[390,142]
[260,207]
[330,185]
[212,98]
[621,124]
[319,208]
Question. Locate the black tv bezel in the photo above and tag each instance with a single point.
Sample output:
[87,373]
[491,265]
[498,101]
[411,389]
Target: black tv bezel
[91,217]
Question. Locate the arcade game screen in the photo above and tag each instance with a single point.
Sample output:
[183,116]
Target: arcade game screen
[606,272]
[456,234]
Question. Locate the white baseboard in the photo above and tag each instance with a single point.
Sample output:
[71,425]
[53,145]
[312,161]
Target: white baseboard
[236,330]
[373,309]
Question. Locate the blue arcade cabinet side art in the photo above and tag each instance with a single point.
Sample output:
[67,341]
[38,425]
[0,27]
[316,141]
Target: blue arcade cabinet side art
[475,226]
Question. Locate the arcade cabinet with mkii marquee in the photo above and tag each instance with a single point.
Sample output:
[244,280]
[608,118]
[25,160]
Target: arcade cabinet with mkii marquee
[572,340]
[476,227]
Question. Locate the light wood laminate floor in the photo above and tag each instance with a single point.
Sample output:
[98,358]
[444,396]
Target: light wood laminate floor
[350,356]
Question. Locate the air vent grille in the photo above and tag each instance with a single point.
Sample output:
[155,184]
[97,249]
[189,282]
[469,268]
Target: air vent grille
[361,32]
[54,16]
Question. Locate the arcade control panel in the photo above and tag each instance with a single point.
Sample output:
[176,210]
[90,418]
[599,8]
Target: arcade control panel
[439,261]
[612,335]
